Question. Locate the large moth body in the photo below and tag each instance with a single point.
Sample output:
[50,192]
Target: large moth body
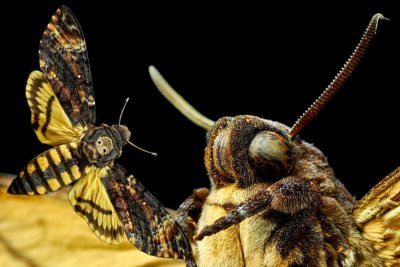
[306,214]
[275,201]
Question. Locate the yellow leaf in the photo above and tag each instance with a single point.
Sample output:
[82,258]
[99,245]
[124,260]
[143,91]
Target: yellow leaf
[40,231]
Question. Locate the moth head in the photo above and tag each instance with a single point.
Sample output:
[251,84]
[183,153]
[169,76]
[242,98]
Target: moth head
[247,149]
[123,132]
[243,149]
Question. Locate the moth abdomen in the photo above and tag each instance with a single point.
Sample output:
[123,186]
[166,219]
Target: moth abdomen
[49,171]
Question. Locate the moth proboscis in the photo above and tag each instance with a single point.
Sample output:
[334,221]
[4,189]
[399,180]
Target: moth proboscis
[274,199]
[63,115]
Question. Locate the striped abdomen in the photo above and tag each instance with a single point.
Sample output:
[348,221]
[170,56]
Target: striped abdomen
[49,171]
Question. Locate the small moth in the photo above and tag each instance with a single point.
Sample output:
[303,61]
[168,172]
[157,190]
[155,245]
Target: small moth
[274,199]
[103,193]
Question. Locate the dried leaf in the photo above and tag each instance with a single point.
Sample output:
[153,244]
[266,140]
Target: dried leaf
[39,231]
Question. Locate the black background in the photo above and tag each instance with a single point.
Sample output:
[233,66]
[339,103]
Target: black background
[261,59]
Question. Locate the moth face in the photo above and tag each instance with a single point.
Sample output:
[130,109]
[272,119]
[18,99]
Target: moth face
[103,144]
[248,149]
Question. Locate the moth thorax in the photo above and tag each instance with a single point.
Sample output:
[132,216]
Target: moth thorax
[104,143]
[270,154]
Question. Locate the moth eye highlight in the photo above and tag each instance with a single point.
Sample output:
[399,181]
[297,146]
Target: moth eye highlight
[270,154]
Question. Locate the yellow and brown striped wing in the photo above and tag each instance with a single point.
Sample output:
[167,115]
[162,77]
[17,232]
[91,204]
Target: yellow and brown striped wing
[50,171]
[49,121]
[377,214]
[147,224]
[90,201]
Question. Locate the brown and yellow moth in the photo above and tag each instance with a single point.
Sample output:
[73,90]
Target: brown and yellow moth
[103,193]
[274,199]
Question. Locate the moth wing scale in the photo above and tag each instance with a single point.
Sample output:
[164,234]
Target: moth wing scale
[146,222]
[89,199]
[49,120]
[64,61]
[377,214]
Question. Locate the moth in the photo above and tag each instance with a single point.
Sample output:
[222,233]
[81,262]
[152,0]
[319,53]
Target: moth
[274,199]
[63,115]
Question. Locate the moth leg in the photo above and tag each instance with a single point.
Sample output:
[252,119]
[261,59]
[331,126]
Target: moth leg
[289,196]
[246,209]
[189,211]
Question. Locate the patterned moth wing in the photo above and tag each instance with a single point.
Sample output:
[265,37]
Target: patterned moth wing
[60,113]
[61,165]
[61,100]
[49,120]
[377,215]
[64,60]
[90,201]
[146,223]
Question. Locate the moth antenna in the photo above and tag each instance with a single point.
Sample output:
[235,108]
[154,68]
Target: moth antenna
[178,102]
[122,111]
[340,78]
[141,149]
[129,142]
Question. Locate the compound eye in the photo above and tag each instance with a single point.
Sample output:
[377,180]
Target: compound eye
[270,154]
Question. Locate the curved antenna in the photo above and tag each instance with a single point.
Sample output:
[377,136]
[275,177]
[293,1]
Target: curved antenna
[178,102]
[141,149]
[129,142]
[340,78]
[122,111]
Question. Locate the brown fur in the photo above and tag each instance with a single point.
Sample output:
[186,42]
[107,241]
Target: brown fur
[301,219]
[275,201]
